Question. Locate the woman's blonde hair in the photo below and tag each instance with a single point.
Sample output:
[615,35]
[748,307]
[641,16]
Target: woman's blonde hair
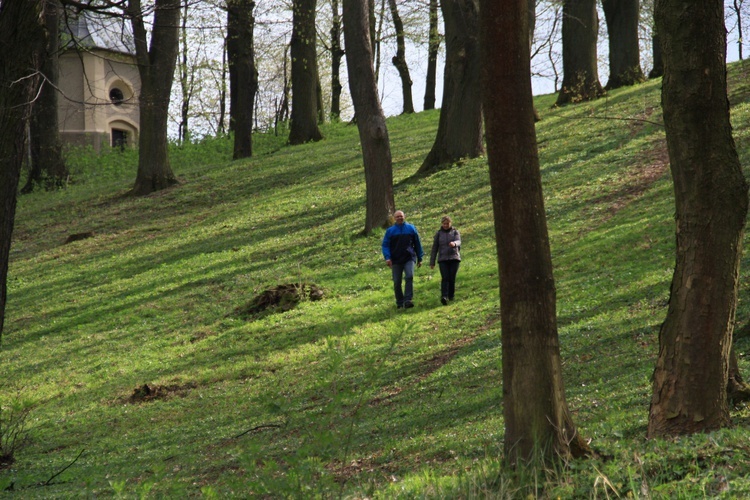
[446,218]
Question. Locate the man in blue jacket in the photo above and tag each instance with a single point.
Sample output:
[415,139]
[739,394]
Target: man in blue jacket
[401,249]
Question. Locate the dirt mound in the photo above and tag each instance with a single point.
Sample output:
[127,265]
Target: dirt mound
[147,393]
[280,298]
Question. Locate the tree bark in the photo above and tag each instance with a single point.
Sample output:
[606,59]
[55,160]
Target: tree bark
[377,37]
[657,71]
[690,377]
[534,406]
[22,35]
[399,60]
[336,54]
[622,18]
[47,162]
[304,126]
[579,34]
[432,56]
[738,391]
[532,26]
[243,75]
[373,133]
[220,127]
[459,132]
[156,66]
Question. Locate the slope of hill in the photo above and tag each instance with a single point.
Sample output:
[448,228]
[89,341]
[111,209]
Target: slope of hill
[145,370]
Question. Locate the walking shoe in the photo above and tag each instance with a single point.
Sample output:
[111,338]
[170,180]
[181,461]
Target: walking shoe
[408,304]
[444,301]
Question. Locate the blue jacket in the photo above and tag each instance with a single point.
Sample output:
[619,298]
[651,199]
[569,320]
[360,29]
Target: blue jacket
[401,244]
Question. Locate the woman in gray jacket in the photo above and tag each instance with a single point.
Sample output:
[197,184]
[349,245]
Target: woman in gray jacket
[445,247]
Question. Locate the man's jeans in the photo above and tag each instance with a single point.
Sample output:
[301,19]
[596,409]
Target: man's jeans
[407,270]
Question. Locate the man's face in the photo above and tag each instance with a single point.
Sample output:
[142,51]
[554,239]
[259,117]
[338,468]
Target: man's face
[399,217]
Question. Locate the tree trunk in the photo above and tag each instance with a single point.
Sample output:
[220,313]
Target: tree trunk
[223,93]
[186,76]
[624,54]
[304,126]
[47,162]
[534,406]
[399,60]
[378,38]
[156,67]
[531,5]
[532,26]
[373,133]
[737,8]
[657,71]
[282,113]
[243,76]
[336,54]
[690,378]
[579,34]
[320,104]
[459,132]
[22,35]
[432,57]
[738,391]
[372,19]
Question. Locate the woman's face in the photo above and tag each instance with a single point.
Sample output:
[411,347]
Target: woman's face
[446,224]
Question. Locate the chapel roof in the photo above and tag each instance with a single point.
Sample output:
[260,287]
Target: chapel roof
[93,30]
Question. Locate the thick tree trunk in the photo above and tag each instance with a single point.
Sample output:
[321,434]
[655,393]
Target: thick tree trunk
[156,67]
[336,54]
[243,76]
[432,56]
[534,406]
[399,60]
[304,126]
[624,54]
[690,378]
[22,35]
[373,133]
[47,162]
[579,34]
[657,70]
[459,132]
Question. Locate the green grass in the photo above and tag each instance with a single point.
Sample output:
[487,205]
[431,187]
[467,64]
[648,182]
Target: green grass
[345,397]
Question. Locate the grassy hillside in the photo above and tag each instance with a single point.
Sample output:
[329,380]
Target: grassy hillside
[143,375]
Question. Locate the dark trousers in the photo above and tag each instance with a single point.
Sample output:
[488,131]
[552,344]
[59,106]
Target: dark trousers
[448,271]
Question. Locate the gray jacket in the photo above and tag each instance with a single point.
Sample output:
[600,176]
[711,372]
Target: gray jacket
[441,247]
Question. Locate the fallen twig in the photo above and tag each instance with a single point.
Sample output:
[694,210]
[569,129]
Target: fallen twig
[64,469]
[257,428]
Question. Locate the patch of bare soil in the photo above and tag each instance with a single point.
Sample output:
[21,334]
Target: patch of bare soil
[648,168]
[147,393]
[279,298]
[79,236]
[431,365]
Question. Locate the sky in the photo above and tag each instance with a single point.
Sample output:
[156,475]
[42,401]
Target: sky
[390,84]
